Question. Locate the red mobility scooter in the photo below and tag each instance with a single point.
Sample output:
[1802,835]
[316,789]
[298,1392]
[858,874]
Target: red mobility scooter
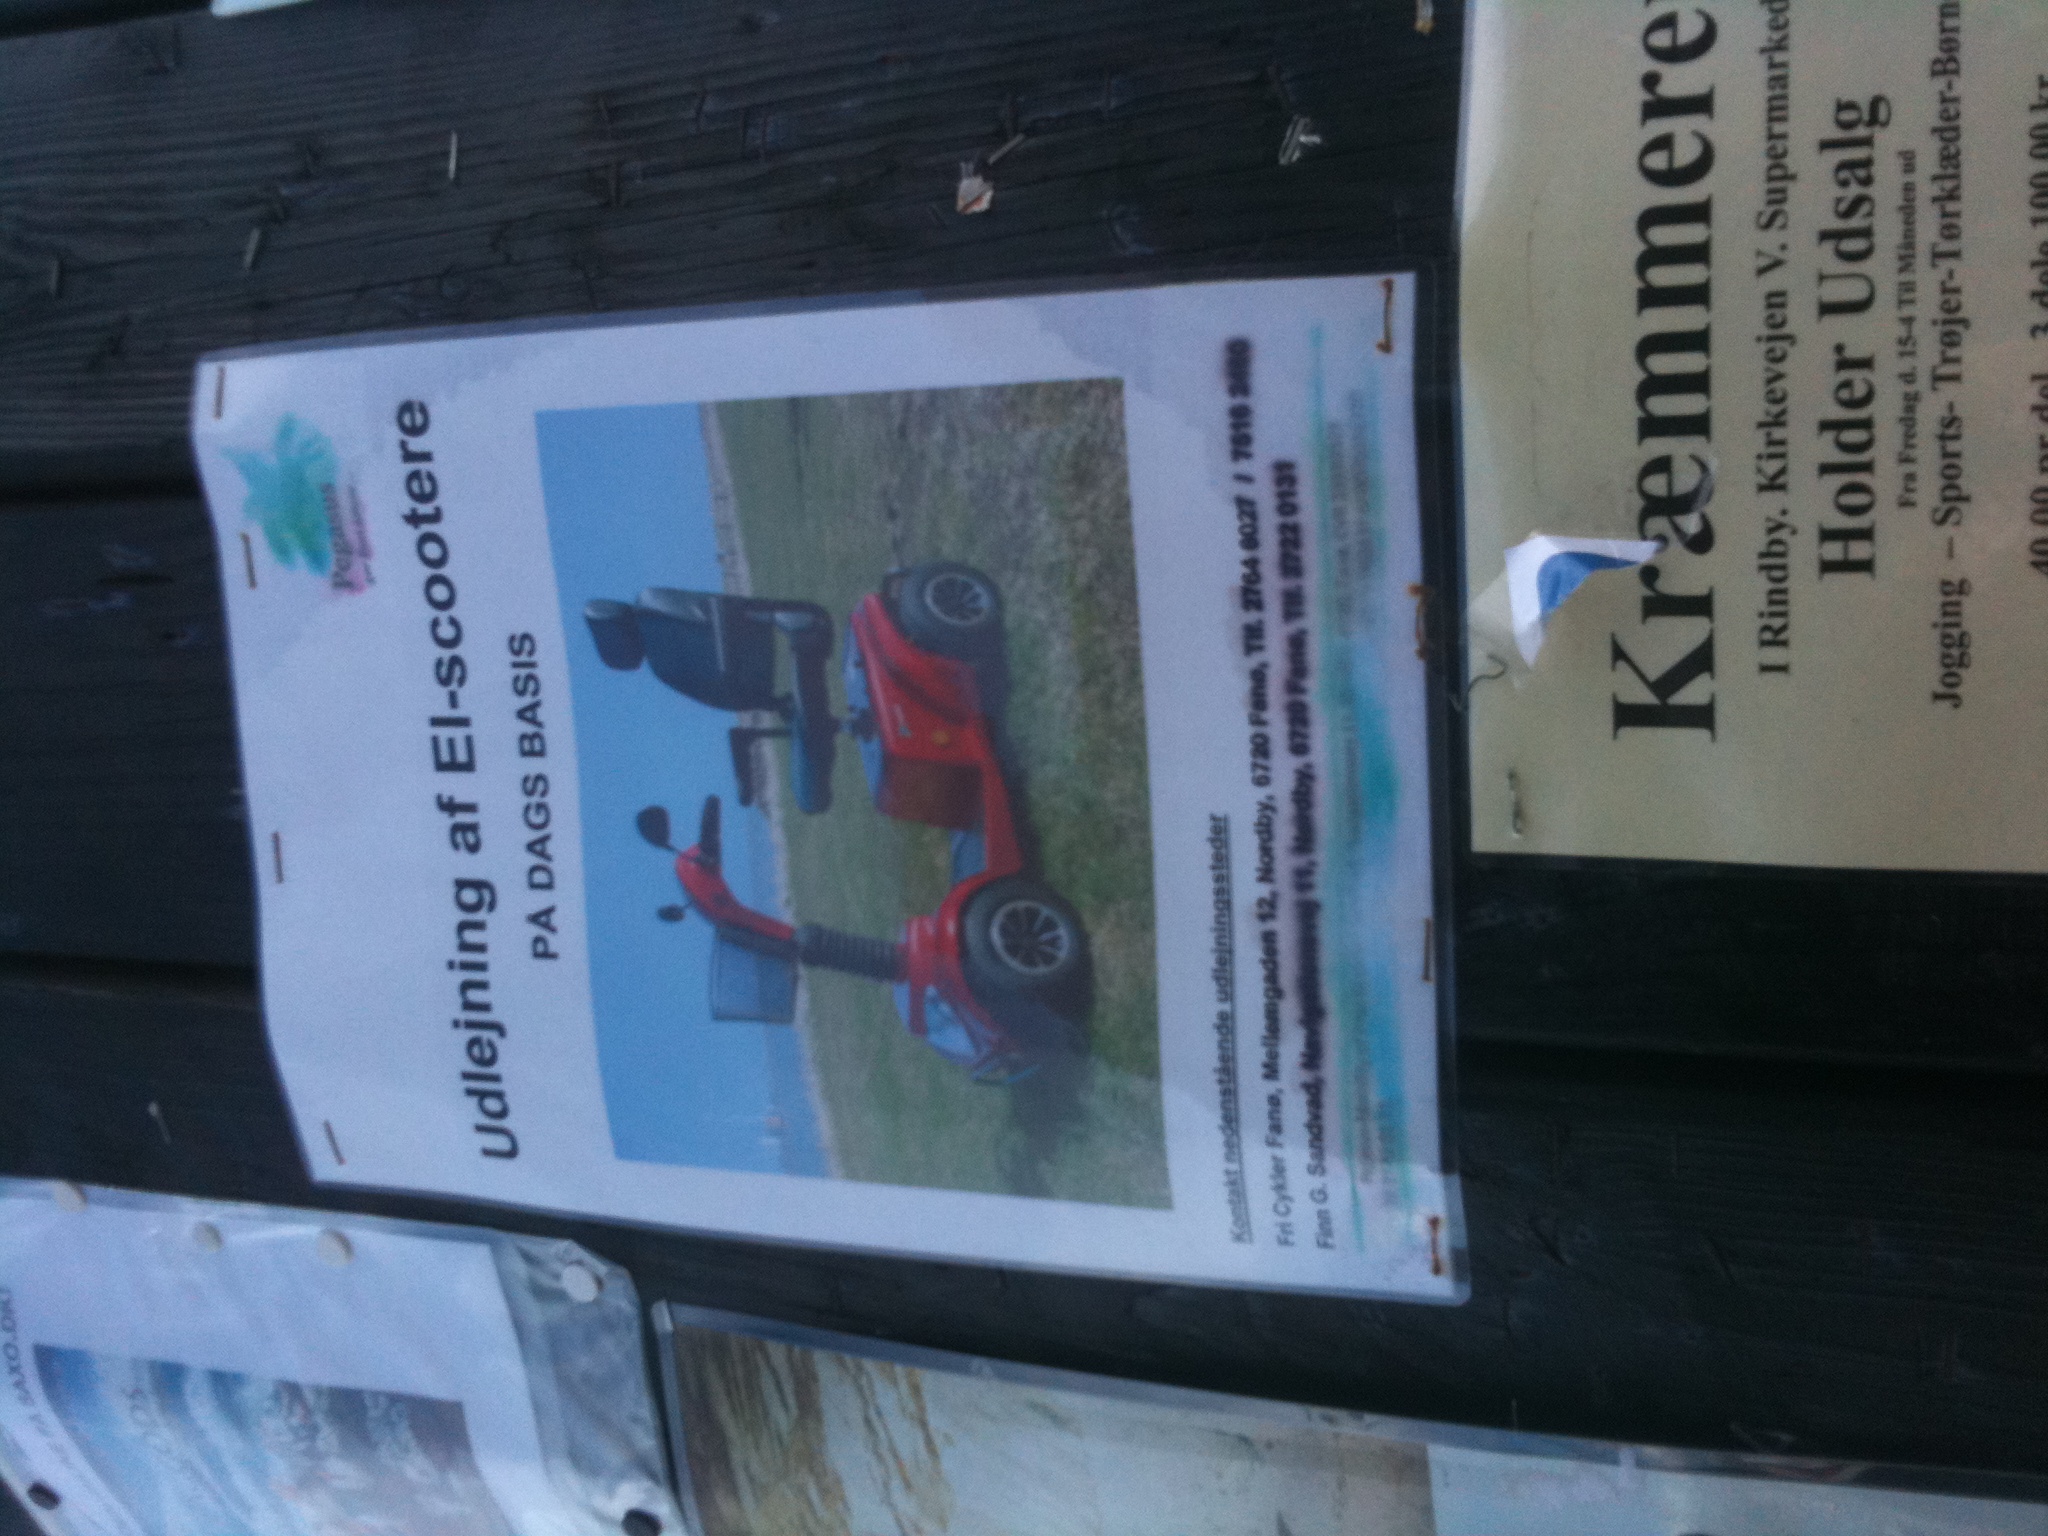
[995,980]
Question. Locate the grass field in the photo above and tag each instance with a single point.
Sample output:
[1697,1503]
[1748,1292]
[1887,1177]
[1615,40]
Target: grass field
[1029,483]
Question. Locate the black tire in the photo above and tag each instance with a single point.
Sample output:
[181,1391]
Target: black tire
[951,609]
[1022,940]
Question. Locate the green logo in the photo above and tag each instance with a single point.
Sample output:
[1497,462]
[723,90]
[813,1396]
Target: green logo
[307,518]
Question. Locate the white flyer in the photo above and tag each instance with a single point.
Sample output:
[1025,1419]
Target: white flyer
[186,1368]
[946,778]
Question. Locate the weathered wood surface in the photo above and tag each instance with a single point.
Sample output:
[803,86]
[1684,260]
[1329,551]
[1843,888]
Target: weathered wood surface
[654,154]
[123,831]
[1790,1201]
[1837,1264]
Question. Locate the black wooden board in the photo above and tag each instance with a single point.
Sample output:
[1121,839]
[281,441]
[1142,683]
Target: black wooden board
[1839,1265]
[123,833]
[1791,1199]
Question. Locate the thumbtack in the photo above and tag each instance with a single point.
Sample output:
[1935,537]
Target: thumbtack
[454,152]
[220,399]
[254,245]
[1514,802]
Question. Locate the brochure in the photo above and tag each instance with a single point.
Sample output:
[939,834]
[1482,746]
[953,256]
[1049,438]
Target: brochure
[948,778]
[1783,311]
[183,1368]
[803,1433]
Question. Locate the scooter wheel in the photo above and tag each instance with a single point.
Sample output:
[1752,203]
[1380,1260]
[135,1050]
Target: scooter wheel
[950,609]
[1021,939]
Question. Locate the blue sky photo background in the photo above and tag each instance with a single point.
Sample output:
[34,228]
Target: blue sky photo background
[629,506]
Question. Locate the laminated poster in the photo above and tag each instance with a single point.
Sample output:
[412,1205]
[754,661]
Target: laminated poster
[804,1433]
[1783,309]
[184,1368]
[944,778]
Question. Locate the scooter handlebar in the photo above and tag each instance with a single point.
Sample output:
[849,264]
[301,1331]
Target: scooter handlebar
[710,849]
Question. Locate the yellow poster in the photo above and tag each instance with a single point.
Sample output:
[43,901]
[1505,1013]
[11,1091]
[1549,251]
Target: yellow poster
[1765,282]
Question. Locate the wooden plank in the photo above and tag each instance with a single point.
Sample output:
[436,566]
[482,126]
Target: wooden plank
[1843,1266]
[18,17]
[123,831]
[646,155]
[1797,964]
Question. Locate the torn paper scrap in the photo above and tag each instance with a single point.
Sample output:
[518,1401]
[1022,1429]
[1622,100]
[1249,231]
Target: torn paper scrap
[1544,570]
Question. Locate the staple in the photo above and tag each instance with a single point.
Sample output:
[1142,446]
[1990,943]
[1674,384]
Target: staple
[277,855]
[1514,802]
[333,1144]
[251,248]
[156,1113]
[220,400]
[1009,144]
[454,152]
[1425,16]
[1422,596]
[248,558]
[1436,1253]
[1428,948]
[1301,135]
[1386,341]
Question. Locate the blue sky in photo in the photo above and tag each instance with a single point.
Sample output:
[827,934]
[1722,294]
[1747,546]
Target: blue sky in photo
[629,506]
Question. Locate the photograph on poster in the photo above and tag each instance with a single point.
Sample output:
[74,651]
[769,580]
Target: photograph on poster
[787,578]
[196,1452]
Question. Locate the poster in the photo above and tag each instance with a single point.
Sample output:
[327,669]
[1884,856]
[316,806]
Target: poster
[816,1434]
[183,1368]
[1783,310]
[946,778]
